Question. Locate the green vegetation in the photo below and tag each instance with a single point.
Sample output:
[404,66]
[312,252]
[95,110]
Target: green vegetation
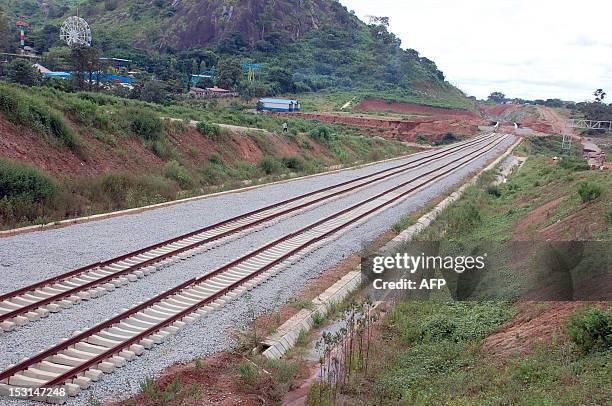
[493,213]
[590,328]
[589,191]
[144,124]
[277,380]
[23,190]
[404,222]
[317,319]
[208,129]
[23,182]
[20,106]
[177,172]
[430,353]
[447,138]
[173,392]
[21,71]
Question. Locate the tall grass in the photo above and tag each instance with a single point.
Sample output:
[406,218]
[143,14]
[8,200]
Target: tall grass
[23,108]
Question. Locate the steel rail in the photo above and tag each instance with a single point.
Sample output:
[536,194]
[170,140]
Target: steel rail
[70,292]
[153,329]
[111,261]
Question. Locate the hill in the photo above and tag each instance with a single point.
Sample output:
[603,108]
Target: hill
[305,45]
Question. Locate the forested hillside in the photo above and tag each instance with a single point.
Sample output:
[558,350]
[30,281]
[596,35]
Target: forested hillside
[305,45]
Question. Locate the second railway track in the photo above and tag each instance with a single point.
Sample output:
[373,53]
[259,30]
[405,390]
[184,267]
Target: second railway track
[83,358]
[32,302]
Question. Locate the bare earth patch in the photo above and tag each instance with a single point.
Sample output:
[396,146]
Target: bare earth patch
[525,228]
[536,322]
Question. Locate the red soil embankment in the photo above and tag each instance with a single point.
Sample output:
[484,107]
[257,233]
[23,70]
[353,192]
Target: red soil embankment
[390,126]
[129,154]
[403,130]
[497,110]
[411,108]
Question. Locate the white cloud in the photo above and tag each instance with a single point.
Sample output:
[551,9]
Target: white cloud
[524,48]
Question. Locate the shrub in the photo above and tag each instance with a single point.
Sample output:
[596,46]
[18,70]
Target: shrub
[463,217]
[248,373]
[213,174]
[21,181]
[209,129]
[317,319]
[321,133]
[175,127]
[145,124]
[574,164]
[215,158]
[590,328]
[421,139]
[294,163]
[589,191]
[493,190]
[83,111]
[177,172]
[125,190]
[447,138]
[104,120]
[270,165]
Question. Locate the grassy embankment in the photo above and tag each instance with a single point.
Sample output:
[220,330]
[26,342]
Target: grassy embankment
[432,352]
[333,100]
[83,124]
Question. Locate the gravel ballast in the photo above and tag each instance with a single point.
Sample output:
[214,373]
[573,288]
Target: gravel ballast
[31,257]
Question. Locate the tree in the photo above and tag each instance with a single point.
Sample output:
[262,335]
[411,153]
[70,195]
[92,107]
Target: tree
[283,77]
[154,91]
[599,95]
[497,97]
[229,72]
[85,60]
[232,44]
[21,71]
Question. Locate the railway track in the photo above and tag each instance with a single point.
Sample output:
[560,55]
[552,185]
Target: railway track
[74,363]
[38,300]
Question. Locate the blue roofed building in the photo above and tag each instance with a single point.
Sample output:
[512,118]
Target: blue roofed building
[287,105]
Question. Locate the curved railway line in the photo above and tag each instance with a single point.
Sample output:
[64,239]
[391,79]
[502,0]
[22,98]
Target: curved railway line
[32,302]
[74,363]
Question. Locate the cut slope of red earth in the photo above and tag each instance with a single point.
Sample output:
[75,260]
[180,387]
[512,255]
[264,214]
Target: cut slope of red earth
[411,108]
[536,322]
[403,130]
[130,154]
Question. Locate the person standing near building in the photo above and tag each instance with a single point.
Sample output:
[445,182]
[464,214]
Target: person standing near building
[285,127]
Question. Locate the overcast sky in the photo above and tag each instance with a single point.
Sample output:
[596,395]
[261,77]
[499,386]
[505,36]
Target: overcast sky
[524,48]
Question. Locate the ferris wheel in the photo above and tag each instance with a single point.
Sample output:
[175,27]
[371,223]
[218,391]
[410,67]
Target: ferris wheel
[75,31]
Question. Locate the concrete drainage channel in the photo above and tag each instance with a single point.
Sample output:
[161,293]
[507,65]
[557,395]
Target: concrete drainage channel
[84,357]
[276,345]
